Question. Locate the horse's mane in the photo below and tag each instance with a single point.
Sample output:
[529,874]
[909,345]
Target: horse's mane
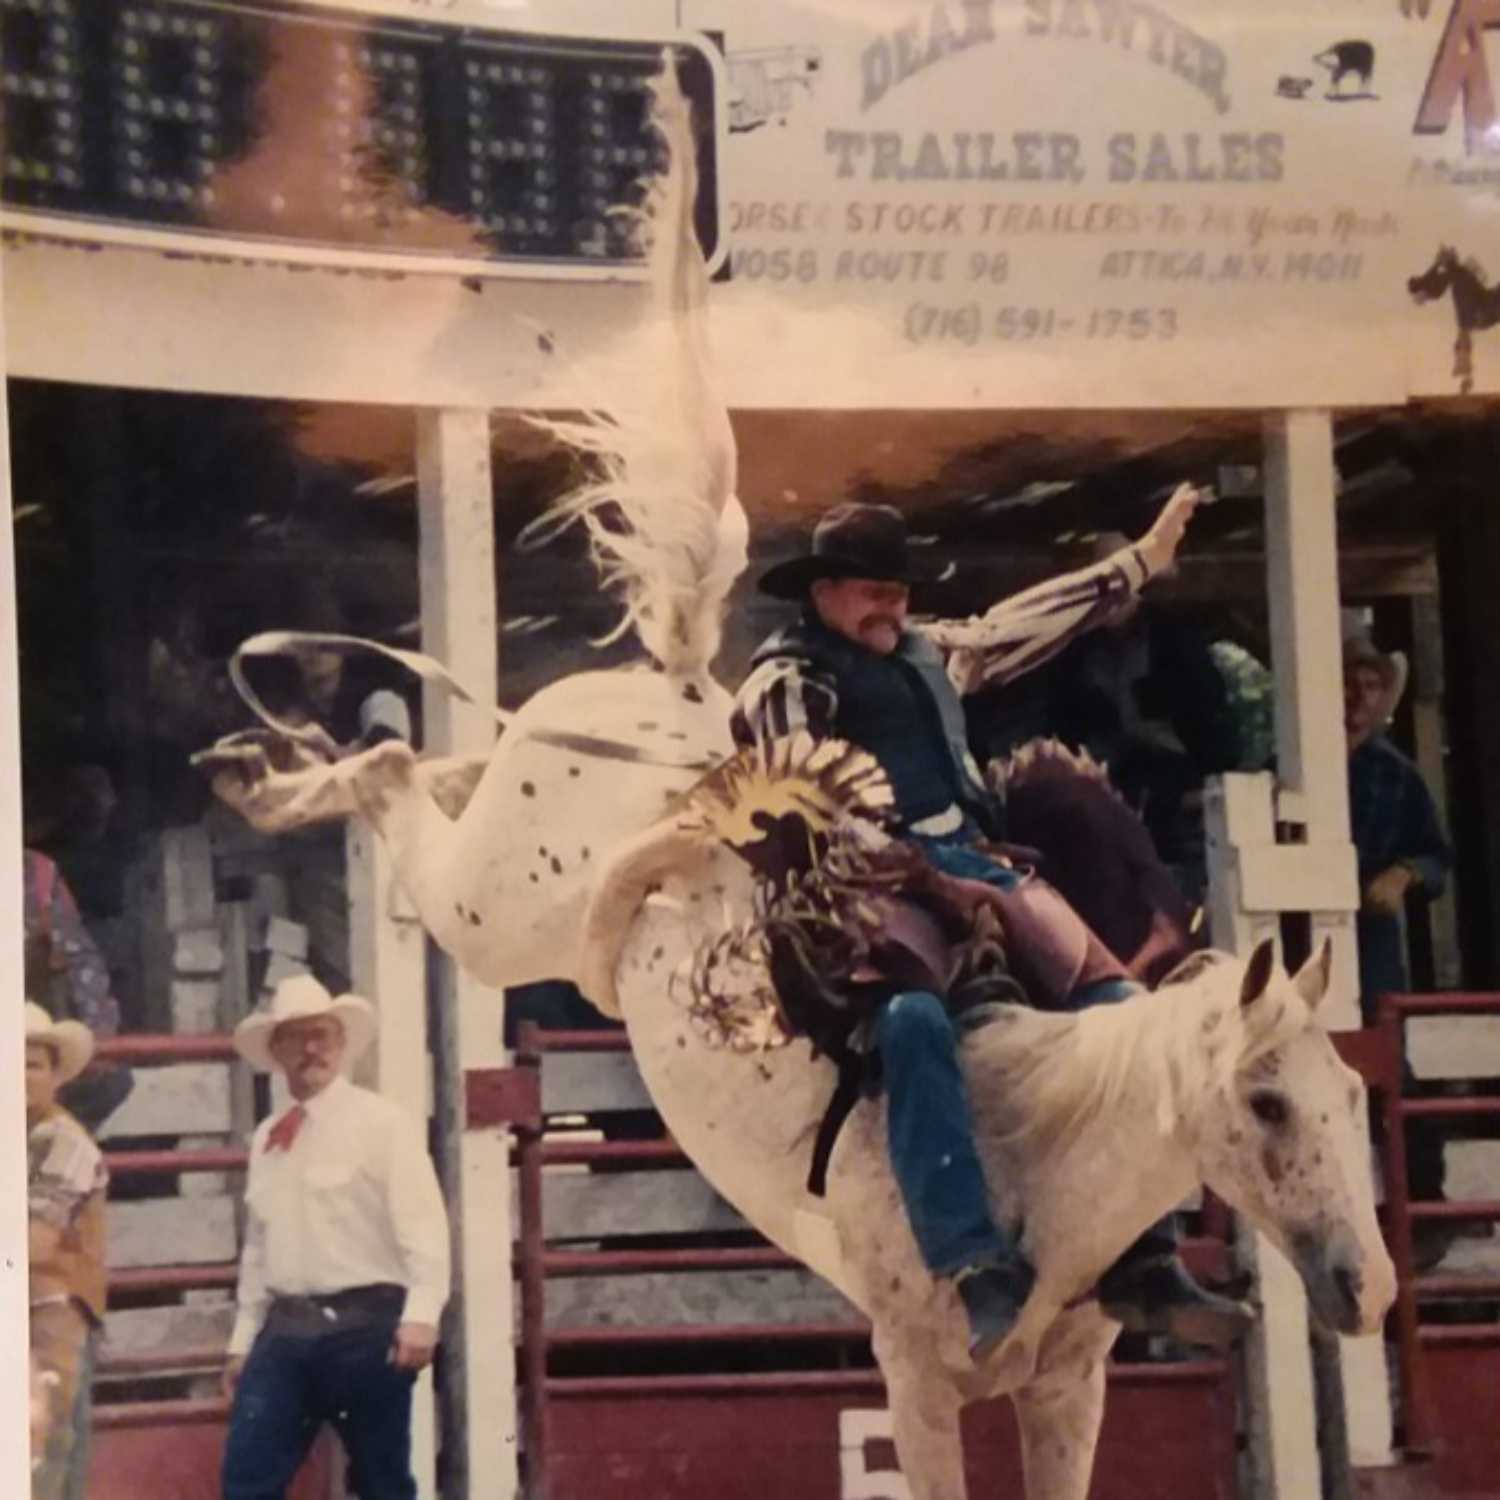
[1047,762]
[1043,1077]
[665,527]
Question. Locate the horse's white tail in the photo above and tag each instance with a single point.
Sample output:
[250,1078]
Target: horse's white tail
[661,513]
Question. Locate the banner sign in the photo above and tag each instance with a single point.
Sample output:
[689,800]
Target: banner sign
[1079,202]
[913,203]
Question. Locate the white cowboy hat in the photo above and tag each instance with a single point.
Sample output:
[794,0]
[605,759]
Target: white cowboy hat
[1361,651]
[72,1041]
[300,998]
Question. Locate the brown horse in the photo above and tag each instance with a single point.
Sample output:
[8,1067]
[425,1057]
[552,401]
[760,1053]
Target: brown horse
[1475,304]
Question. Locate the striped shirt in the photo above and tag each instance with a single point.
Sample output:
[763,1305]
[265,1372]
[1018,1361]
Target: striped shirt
[784,693]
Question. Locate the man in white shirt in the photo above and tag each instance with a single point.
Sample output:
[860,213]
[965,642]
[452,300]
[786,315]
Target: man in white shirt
[346,1261]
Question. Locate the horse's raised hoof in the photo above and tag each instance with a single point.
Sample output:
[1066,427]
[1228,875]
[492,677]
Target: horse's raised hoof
[1161,1298]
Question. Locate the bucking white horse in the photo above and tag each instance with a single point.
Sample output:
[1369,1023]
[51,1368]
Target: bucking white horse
[577,851]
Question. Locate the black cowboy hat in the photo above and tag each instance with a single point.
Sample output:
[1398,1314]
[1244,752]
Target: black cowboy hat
[852,540]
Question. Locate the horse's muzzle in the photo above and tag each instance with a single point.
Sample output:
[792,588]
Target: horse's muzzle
[1349,1291]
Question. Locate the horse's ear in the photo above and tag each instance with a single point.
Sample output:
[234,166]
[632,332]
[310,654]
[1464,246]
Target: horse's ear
[1312,978]
[1258,972]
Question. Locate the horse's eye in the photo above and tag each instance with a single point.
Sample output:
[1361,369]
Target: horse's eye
[1268,1107]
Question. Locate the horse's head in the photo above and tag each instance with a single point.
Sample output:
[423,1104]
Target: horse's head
[1437,278]
[1284,1139]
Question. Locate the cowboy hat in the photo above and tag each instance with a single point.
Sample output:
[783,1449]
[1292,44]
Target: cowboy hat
[1361,651]
[852,540]
[300,998]
[72,1041]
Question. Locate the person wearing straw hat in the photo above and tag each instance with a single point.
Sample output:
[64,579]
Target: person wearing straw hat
[1393,819]
[1401,853]
[65,1186]
[852,668]
[345,1267]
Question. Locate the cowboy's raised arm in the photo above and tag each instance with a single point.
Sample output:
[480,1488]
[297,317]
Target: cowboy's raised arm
[1031,627]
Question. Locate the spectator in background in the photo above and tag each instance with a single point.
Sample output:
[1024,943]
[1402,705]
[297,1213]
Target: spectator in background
[345,1267]
[1401,850]
[65,1185]
[64,956]
[1393,819]
[67,976]
[311,687]
[1145,697]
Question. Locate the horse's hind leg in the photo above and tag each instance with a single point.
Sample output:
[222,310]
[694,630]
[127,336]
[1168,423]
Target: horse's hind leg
[924,1420]
[1060,1410]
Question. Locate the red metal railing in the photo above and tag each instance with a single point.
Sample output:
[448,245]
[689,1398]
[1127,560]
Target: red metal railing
[535,1263]
[1417,1412]
[199,1360]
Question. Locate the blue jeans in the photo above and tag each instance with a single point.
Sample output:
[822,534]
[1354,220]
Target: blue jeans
[931,1140]
[930,1136]
[77,1480]
[291,1385]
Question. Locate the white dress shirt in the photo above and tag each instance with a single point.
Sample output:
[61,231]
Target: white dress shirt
[353,1201]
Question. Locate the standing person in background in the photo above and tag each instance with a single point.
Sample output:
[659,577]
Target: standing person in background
[68,957]
[345,1267]
[1392,816]
[65,1186]
[1398,840]
[67,976]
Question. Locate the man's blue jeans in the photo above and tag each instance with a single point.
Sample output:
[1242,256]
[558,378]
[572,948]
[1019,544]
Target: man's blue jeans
[930,1136]
[291,1385]
[931,1139]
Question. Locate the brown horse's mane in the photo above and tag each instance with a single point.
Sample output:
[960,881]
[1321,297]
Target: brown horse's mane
[1098,854]
[1045,762]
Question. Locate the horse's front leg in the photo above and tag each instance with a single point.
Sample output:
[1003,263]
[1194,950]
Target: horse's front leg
[1060,1410]
[925,1407]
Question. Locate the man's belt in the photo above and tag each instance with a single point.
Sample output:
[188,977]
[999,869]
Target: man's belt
[940,825]
[332,1312]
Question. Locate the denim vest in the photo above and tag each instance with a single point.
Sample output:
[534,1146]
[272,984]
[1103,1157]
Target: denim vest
[904,711]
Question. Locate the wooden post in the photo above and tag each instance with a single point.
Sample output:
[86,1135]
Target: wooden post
[1314,873]
[388,966]
[1283,1436]
[460,628]
[15,1443]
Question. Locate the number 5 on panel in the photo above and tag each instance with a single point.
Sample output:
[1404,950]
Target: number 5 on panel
[857,1430]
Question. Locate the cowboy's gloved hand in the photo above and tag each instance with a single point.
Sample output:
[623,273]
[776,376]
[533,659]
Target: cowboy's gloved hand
[1158,548]
[1386,892]
[412,1347]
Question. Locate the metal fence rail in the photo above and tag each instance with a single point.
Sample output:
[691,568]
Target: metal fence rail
[1417,1410]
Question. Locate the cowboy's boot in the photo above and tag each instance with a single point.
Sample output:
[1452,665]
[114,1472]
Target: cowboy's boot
[1149,1290]
[938,1171]
[993,1293]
